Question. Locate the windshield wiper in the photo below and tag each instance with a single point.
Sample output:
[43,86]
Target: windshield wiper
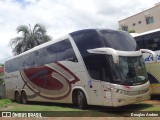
[127,78]
[124,81]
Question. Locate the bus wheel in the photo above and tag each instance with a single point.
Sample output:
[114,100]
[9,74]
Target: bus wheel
[24,97]
[81,100]
[17,97]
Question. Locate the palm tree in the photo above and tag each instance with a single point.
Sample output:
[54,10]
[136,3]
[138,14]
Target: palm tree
[29,38]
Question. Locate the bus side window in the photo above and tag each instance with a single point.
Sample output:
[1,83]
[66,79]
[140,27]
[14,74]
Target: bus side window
[51,52]
[36,53]
[19,63]
[140,42]
[65,51]
[12,63]
[40,57]
[7,64]
[34,58]
[98,67]
[26,61]
[16,64]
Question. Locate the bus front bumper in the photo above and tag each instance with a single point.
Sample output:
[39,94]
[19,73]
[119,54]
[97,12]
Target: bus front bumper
[121,99]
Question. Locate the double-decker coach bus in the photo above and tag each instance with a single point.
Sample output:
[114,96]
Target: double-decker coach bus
[151,40]
[87,67]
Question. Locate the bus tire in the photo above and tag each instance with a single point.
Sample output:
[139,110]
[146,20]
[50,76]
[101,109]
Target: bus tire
[17,97]
[81,100]
[24,97]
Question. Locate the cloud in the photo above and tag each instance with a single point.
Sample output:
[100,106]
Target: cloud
[63,16]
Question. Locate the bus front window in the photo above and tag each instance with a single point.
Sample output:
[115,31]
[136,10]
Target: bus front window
[130,71]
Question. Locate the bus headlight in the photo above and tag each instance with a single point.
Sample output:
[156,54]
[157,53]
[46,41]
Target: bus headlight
[138,92]
[121,91]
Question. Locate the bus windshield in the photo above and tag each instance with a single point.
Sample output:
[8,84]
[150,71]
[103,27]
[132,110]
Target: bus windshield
[130,71]
[118,40]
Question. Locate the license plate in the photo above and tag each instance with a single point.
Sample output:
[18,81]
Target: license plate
[139,98]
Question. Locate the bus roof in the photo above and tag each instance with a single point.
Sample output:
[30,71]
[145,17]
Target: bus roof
[144,33]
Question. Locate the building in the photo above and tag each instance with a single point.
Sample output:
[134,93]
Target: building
[141,22]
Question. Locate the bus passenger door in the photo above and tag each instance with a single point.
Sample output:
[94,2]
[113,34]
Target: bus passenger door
[106,93]
[99,69]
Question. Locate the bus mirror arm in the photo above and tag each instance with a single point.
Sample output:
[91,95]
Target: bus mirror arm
[106,50]
[150,52]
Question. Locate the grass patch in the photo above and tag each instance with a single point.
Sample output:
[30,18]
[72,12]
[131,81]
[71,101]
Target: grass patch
[39,106]
[5,102]
[68,110]
[152,108]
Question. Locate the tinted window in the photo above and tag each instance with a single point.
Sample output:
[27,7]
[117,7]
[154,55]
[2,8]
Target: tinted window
[87,40]
[118,40]
[140,42]
[56,52]
[27,62]
[51,53]
[98,67]
[65,51]
[149,41]
[39,57]
[8,67]
[36,53]
[14,65]
[52,49]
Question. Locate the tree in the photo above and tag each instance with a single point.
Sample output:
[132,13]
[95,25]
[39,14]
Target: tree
[29,38]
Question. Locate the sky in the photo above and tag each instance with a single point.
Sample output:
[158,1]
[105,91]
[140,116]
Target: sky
[61,17]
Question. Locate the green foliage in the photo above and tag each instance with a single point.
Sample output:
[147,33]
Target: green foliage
[59,109]
[29,38]
[2,65]
[132,31]
[5,102]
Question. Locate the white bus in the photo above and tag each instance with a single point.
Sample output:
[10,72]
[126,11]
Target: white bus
[151,40]
[87,67]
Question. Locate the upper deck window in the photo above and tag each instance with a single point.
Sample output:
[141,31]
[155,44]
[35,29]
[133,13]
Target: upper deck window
[87,40]
[118,40]
[60,51]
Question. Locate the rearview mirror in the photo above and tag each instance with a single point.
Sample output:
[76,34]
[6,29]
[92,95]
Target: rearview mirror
[109,51]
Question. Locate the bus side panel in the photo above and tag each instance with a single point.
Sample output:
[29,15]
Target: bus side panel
[13,82]
[16,81]
[153,72]
[52,82]
[154,77]
[34,82]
